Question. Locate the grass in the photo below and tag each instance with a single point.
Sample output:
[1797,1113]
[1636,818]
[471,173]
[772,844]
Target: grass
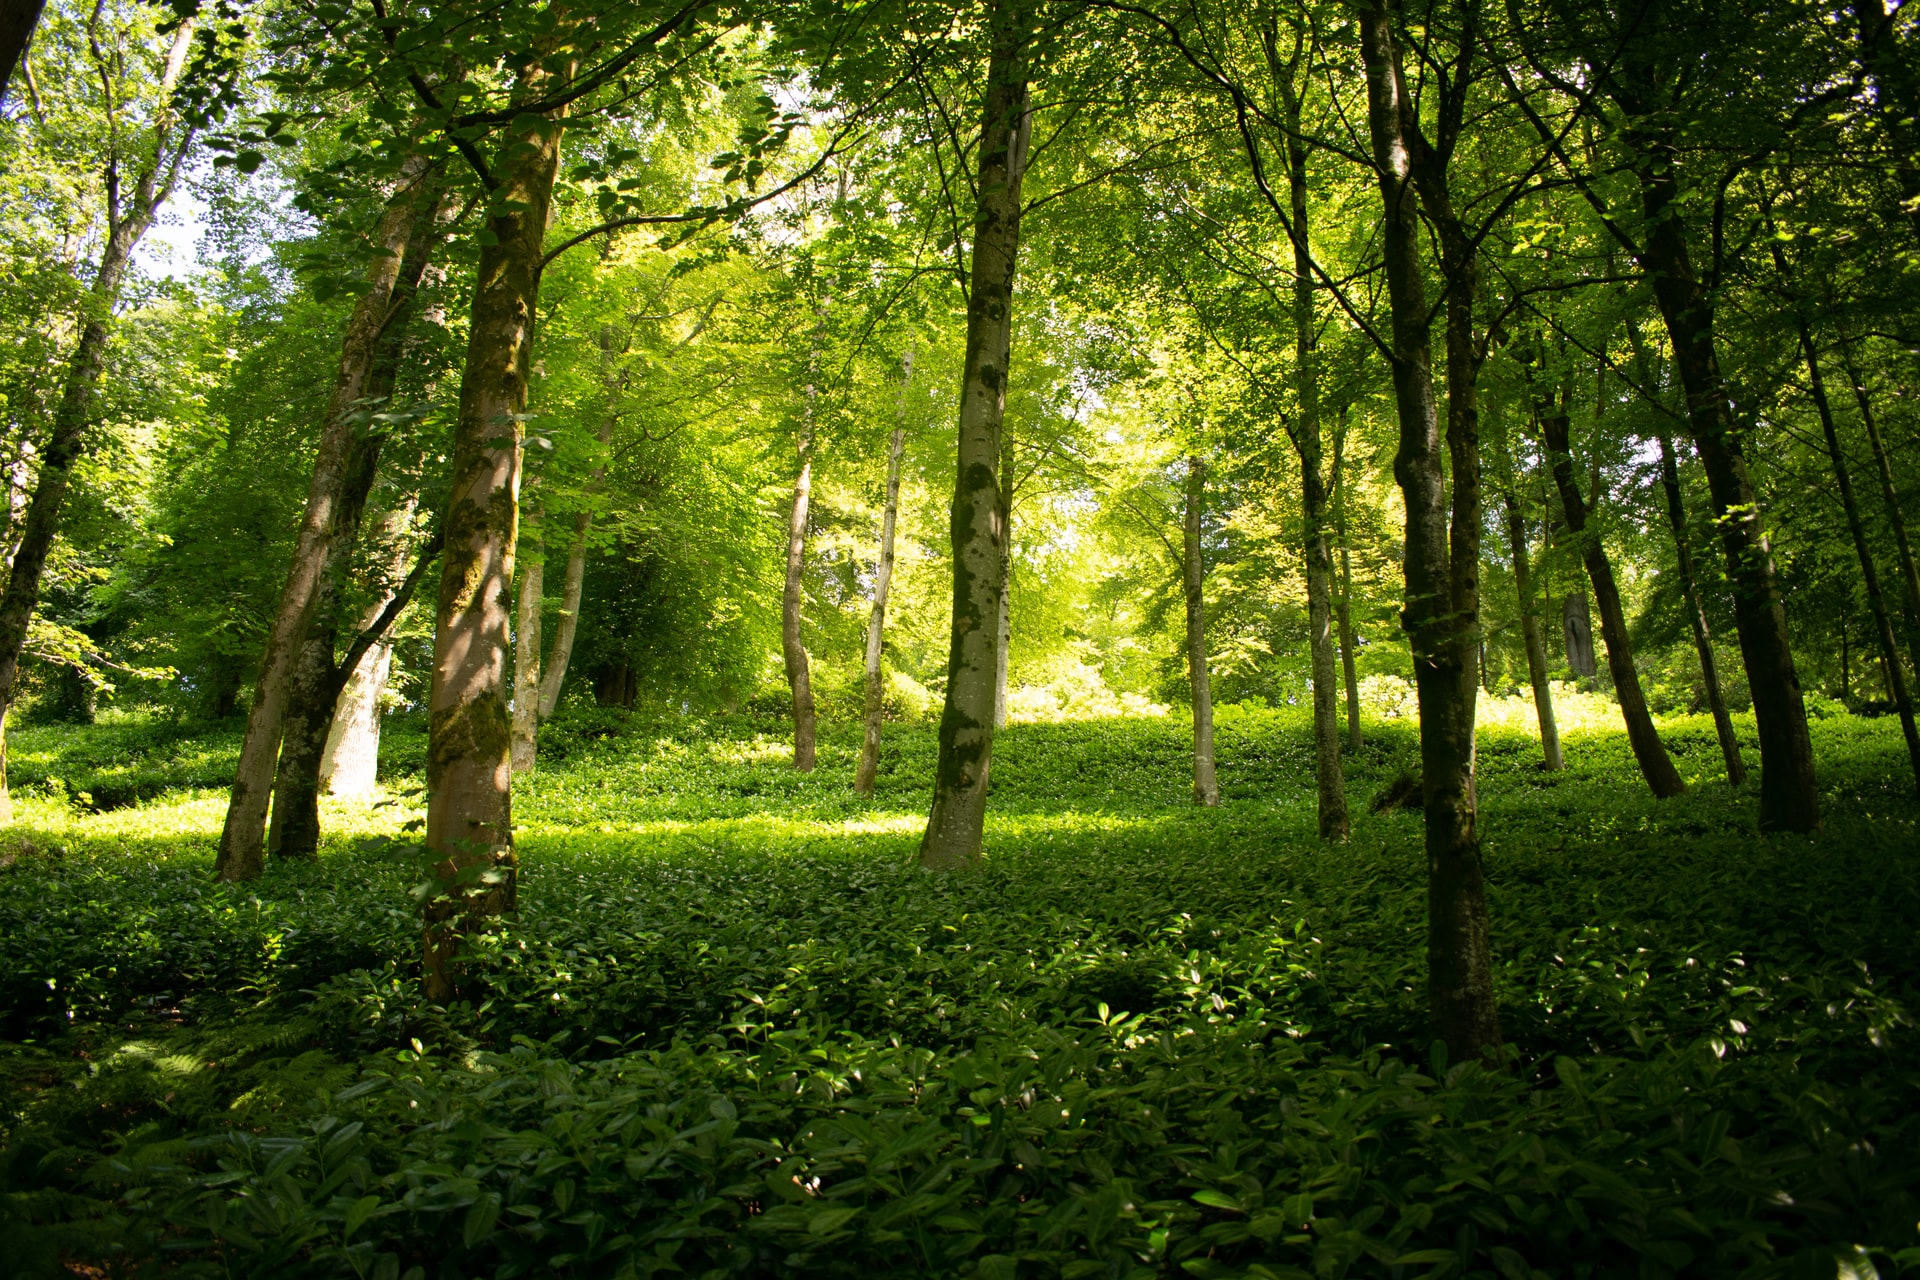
[735,1032]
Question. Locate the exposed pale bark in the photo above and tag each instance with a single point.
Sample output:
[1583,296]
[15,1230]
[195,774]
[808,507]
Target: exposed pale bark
[956,822]
[1330,783]
[1644,739]
[1697,613]
[1552,757]
[350,760]
[1789,794]
[1869,575]
[1890,498]
[1442,560]
[1344,608]
[792,646]
[240,851]
[133,199]
[469,765]
[1206,784]
[882,581]
[526,665]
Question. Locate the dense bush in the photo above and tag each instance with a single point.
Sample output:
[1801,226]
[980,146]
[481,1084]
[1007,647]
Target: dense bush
[734,1031]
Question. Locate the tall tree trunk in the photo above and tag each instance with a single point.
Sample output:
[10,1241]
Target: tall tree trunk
[1890,497]
[350,761]
[526,664]
[1537,676]
[571,589]
[1896,97]
[1869,575]
[1789,794]
[1697,613]
[240,851]
[792,647]
[1648,751]
[1344,610]
[1003,623]
[956,821]
[1442,561]
[1206,784]
[1329,782]
[469,764]
[314,688]
[882,580]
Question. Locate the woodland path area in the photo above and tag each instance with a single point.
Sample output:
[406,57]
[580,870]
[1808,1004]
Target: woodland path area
[735,1029]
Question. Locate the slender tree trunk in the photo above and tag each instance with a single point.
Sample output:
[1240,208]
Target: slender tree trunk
[1206,784]
[1348,662]
[1003,624]
[1697,613]
[1648,751]
[882,581]
[571,590]
[1330,782]
[1537,676]
[1789,794]
[792,648]
[240,851]
[956,822]
[469,762]
[1442,561]
[526,664]
[1890,497]
[1869,575]
[1896,97]
[350,760]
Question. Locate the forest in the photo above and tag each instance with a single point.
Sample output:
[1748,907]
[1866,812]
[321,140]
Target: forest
[979,638]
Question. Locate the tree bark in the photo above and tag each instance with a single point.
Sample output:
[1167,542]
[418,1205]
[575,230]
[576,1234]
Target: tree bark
[792,648]
[1789,794]
[469,764]
[18,18]
[1330,783]
[1348,659]
[1697,613]
[1537,676]
[956,822]
[1648,751]
[1003,622]
[240,850]
[1896,97]
[1869,575]
[552,679]
[1206,784]
[875,702]
[526,666]
[1441,614]
[1890,497]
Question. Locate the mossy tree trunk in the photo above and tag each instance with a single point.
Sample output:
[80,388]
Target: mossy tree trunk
[875,701]
[526,661]
[957,819]
[1206,783]
[1442,556]
[469,764]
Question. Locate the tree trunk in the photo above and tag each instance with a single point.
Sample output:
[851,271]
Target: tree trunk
[1869,575]
[1003,624]
[572,587]
[240,852]
[17,21]
[469,763]
[1890,497]
[1442,563]
[1896,97]
[956,821]
[350,760]
[1697,613]
[1344,613]
[1648,751]
[1552,757]
[799,672]
[1206,784]
[1329,782]
[882,580]
[1789,794]
[526,666]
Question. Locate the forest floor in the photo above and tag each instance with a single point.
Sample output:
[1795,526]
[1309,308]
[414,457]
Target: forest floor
[734,1031]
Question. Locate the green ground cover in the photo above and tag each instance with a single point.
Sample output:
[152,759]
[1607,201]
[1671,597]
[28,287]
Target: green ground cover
[735,1032]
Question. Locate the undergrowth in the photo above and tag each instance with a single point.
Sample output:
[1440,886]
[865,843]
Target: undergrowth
[734,1031]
